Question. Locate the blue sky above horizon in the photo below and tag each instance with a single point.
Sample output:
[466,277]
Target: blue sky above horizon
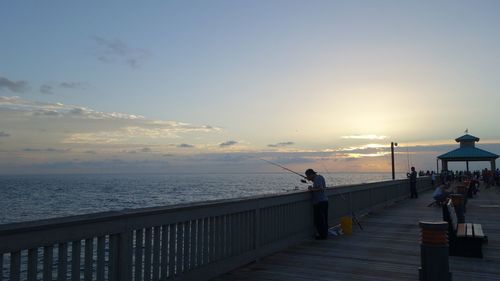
[209,86]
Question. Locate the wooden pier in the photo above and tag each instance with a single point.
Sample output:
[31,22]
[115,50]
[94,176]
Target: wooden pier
[258,238]
[387,249]
[196,241]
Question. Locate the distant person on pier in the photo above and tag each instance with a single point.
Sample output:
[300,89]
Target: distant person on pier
[413,183]
[441,193]
[320,203]
[497,177]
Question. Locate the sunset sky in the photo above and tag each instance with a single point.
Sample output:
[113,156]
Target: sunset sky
[213,86]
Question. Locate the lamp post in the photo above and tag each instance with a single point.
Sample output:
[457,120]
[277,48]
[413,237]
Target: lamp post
[393,144]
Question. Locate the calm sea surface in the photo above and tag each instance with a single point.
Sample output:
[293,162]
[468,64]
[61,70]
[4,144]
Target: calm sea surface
[24,198]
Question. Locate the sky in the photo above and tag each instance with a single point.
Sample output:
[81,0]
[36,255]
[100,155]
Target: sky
[216,86]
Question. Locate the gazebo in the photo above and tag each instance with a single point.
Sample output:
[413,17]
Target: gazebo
[467,152]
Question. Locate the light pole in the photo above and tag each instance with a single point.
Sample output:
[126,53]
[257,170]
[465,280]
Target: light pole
[393,144]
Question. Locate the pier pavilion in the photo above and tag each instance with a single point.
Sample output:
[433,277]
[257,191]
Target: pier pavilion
[467,152]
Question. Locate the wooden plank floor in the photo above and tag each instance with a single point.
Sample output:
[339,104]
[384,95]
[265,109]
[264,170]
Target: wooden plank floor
[387,249]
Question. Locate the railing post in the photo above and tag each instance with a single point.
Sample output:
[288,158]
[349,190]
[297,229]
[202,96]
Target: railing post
[125,256]
[371,198]
[350,201]
[257,229]
[434,257]
[121,257]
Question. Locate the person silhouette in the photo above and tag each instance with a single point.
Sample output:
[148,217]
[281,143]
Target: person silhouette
[413,183]
[320,203]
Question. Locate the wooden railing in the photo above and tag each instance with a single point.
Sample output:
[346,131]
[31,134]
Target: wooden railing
[184,242]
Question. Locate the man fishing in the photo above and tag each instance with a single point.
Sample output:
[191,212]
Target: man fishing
[320,203]
[319,200]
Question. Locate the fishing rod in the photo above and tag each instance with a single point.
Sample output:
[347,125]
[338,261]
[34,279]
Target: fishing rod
[353,215]
[285,168]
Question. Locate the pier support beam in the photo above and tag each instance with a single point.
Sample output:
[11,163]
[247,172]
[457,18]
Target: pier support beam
[434,257]
[444,165]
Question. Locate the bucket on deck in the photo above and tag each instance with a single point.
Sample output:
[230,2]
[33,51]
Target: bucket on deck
[346,224]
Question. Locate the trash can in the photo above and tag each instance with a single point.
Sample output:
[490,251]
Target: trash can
[346,224]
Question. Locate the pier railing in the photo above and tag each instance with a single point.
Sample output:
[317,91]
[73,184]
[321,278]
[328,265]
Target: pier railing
[184,242]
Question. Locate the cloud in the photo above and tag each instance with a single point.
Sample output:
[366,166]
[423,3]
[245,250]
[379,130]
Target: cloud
[365,137]
[14,86]
[46,113]
[3,134]
[294,158]
[134,151]
[100,166]
[77,111]
[18,103]
[73,85]
[115,50]
[22,86]
[85,125]
[138,132]
[361,155]
[185,145]
[44,150]
[334,160]
[53,109]
[361,148]
[50,88]
[46,89]
[228,143]
[281,144]
[362,151]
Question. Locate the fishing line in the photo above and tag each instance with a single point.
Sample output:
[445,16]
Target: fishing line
[354,217]
[408,158]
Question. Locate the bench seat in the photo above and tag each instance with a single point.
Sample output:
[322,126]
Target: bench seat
[466,239]
[472,230]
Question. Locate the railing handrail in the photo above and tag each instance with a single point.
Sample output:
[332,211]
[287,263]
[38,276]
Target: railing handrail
[16,227]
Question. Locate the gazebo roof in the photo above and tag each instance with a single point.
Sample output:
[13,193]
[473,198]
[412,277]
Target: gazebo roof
[467,137]
[468,154]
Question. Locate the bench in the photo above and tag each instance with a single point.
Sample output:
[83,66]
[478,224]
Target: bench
[466,239]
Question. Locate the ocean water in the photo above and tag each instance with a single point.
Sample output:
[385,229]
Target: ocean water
[25,198]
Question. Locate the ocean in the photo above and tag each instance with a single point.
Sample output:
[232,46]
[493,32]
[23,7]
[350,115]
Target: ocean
[34,197]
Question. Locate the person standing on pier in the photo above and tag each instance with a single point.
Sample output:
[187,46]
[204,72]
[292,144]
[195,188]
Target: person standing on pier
[413,183]
[320,203]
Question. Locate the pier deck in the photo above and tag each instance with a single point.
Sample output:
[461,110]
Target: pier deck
[387,249]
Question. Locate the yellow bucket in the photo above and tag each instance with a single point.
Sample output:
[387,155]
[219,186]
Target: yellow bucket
[346,224]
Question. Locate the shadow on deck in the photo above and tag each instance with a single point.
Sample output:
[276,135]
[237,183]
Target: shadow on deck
[387,249]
